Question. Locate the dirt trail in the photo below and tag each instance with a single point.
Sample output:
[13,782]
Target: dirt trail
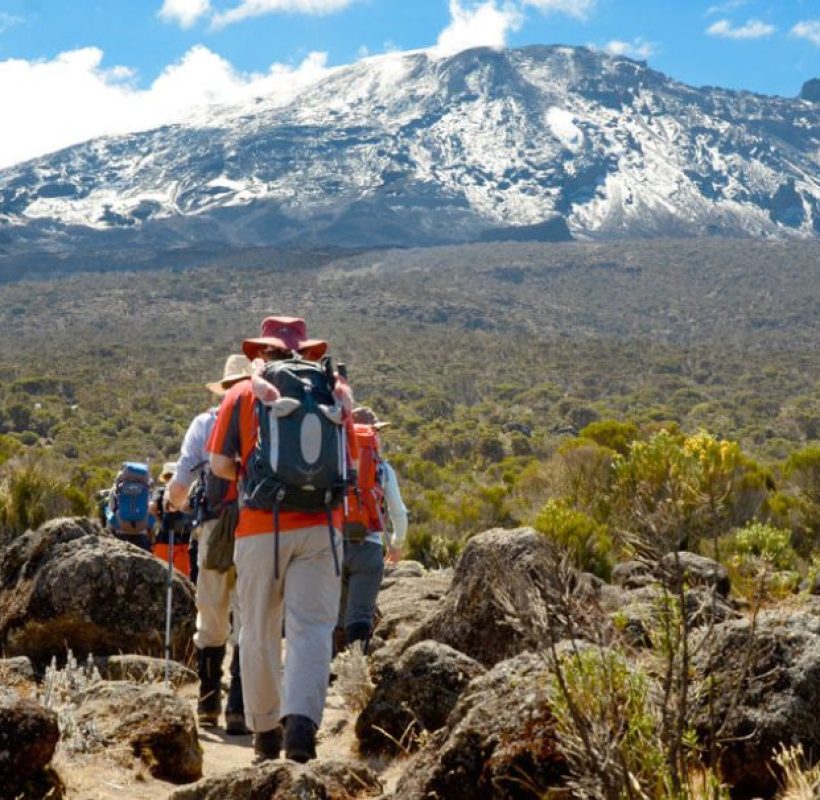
[109,776]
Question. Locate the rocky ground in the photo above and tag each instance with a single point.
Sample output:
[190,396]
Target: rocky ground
[453,703]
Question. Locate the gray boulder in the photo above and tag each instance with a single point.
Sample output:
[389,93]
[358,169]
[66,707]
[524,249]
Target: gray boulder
[18,673]
[404,603]
[494,737]
[72,585]
[403,569]
[345,778]
[641,613]
[287,780]
[144,669]
[696,571]
[153,724]
[760,689]
[633,574]
[271,780]
[497,563]
[415,694]
[28,738]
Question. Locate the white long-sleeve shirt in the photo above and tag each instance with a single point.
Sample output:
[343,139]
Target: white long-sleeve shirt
[193,454]
[396,510]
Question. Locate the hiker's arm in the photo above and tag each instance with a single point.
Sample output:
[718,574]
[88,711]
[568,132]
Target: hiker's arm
[224,467]
[177,494]
[397,512]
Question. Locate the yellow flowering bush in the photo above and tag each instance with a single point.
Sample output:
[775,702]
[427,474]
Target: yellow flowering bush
[673,490]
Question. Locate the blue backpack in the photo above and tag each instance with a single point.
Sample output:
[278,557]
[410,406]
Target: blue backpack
[130,499]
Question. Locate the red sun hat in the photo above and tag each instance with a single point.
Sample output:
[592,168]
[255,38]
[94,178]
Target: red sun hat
[287,333]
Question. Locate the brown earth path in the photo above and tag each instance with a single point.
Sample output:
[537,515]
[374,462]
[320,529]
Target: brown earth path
[113,776]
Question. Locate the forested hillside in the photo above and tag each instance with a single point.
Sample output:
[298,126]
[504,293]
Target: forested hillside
[490,360]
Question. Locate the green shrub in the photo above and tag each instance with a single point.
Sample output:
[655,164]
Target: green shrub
[584,473]
[9,447]
[611,433]
[671,491]
[432,550]
[32,493]
[803,469]
[771,544]
[602,693]
[586,540]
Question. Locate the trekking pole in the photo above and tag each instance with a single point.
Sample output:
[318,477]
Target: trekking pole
[341,368]
[170,592]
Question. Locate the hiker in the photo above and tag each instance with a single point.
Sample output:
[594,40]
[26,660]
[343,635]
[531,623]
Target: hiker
[287,560]
[215,598]
[366,533]
[170,521]
[128,512]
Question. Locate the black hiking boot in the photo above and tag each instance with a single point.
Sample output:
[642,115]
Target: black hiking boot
[235,707]
[358,632]
[209,666]
[268,744]
[300,738]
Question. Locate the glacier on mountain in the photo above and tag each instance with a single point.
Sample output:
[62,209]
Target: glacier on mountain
[414,148]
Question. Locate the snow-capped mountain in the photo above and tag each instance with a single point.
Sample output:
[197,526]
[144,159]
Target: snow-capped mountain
[410,148]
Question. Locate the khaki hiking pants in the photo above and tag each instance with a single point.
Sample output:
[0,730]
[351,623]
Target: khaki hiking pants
[307,596]
[215,598]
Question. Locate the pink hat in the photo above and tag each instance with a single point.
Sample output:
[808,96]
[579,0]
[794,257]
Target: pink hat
[287,333]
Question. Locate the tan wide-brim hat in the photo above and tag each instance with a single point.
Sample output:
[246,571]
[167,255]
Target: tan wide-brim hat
[237,367]
[364,415]
[169,469]
[286,333]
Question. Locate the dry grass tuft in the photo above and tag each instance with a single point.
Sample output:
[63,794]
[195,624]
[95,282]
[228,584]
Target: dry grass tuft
[353,683]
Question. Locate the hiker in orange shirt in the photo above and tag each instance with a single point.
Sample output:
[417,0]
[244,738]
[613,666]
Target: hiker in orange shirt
[287,446]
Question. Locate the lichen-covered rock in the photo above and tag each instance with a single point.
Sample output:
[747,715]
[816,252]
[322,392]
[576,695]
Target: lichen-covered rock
[72,585]
[641,615]
[271,780]
[696,570]
[759,689]
[403,569]
[633,574]
[414,694]
[495,563]
[18,673]
[404,603]
[144,669]
[500,732]
[811,585]
[345,778]
[150,722]
[28,738]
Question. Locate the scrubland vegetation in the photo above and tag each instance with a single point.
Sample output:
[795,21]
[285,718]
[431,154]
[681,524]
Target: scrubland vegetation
[525,384]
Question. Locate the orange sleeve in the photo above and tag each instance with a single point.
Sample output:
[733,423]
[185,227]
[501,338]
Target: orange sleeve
[352,444]
[234,432]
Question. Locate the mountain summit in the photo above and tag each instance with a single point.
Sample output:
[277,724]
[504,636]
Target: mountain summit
[406,149]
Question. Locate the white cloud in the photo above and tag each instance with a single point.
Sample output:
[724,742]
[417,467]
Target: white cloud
[258,8]
[808,29]
[185,12]
[724,8]
[477,25]
[72,98]
[753,29]
[575,8]
[637,48]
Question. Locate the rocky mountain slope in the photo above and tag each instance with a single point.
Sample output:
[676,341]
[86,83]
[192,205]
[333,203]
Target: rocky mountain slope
[542,142]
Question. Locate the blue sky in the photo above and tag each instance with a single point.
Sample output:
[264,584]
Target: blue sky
[123,64]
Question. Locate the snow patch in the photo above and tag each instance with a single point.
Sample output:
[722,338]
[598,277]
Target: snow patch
[562,124]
